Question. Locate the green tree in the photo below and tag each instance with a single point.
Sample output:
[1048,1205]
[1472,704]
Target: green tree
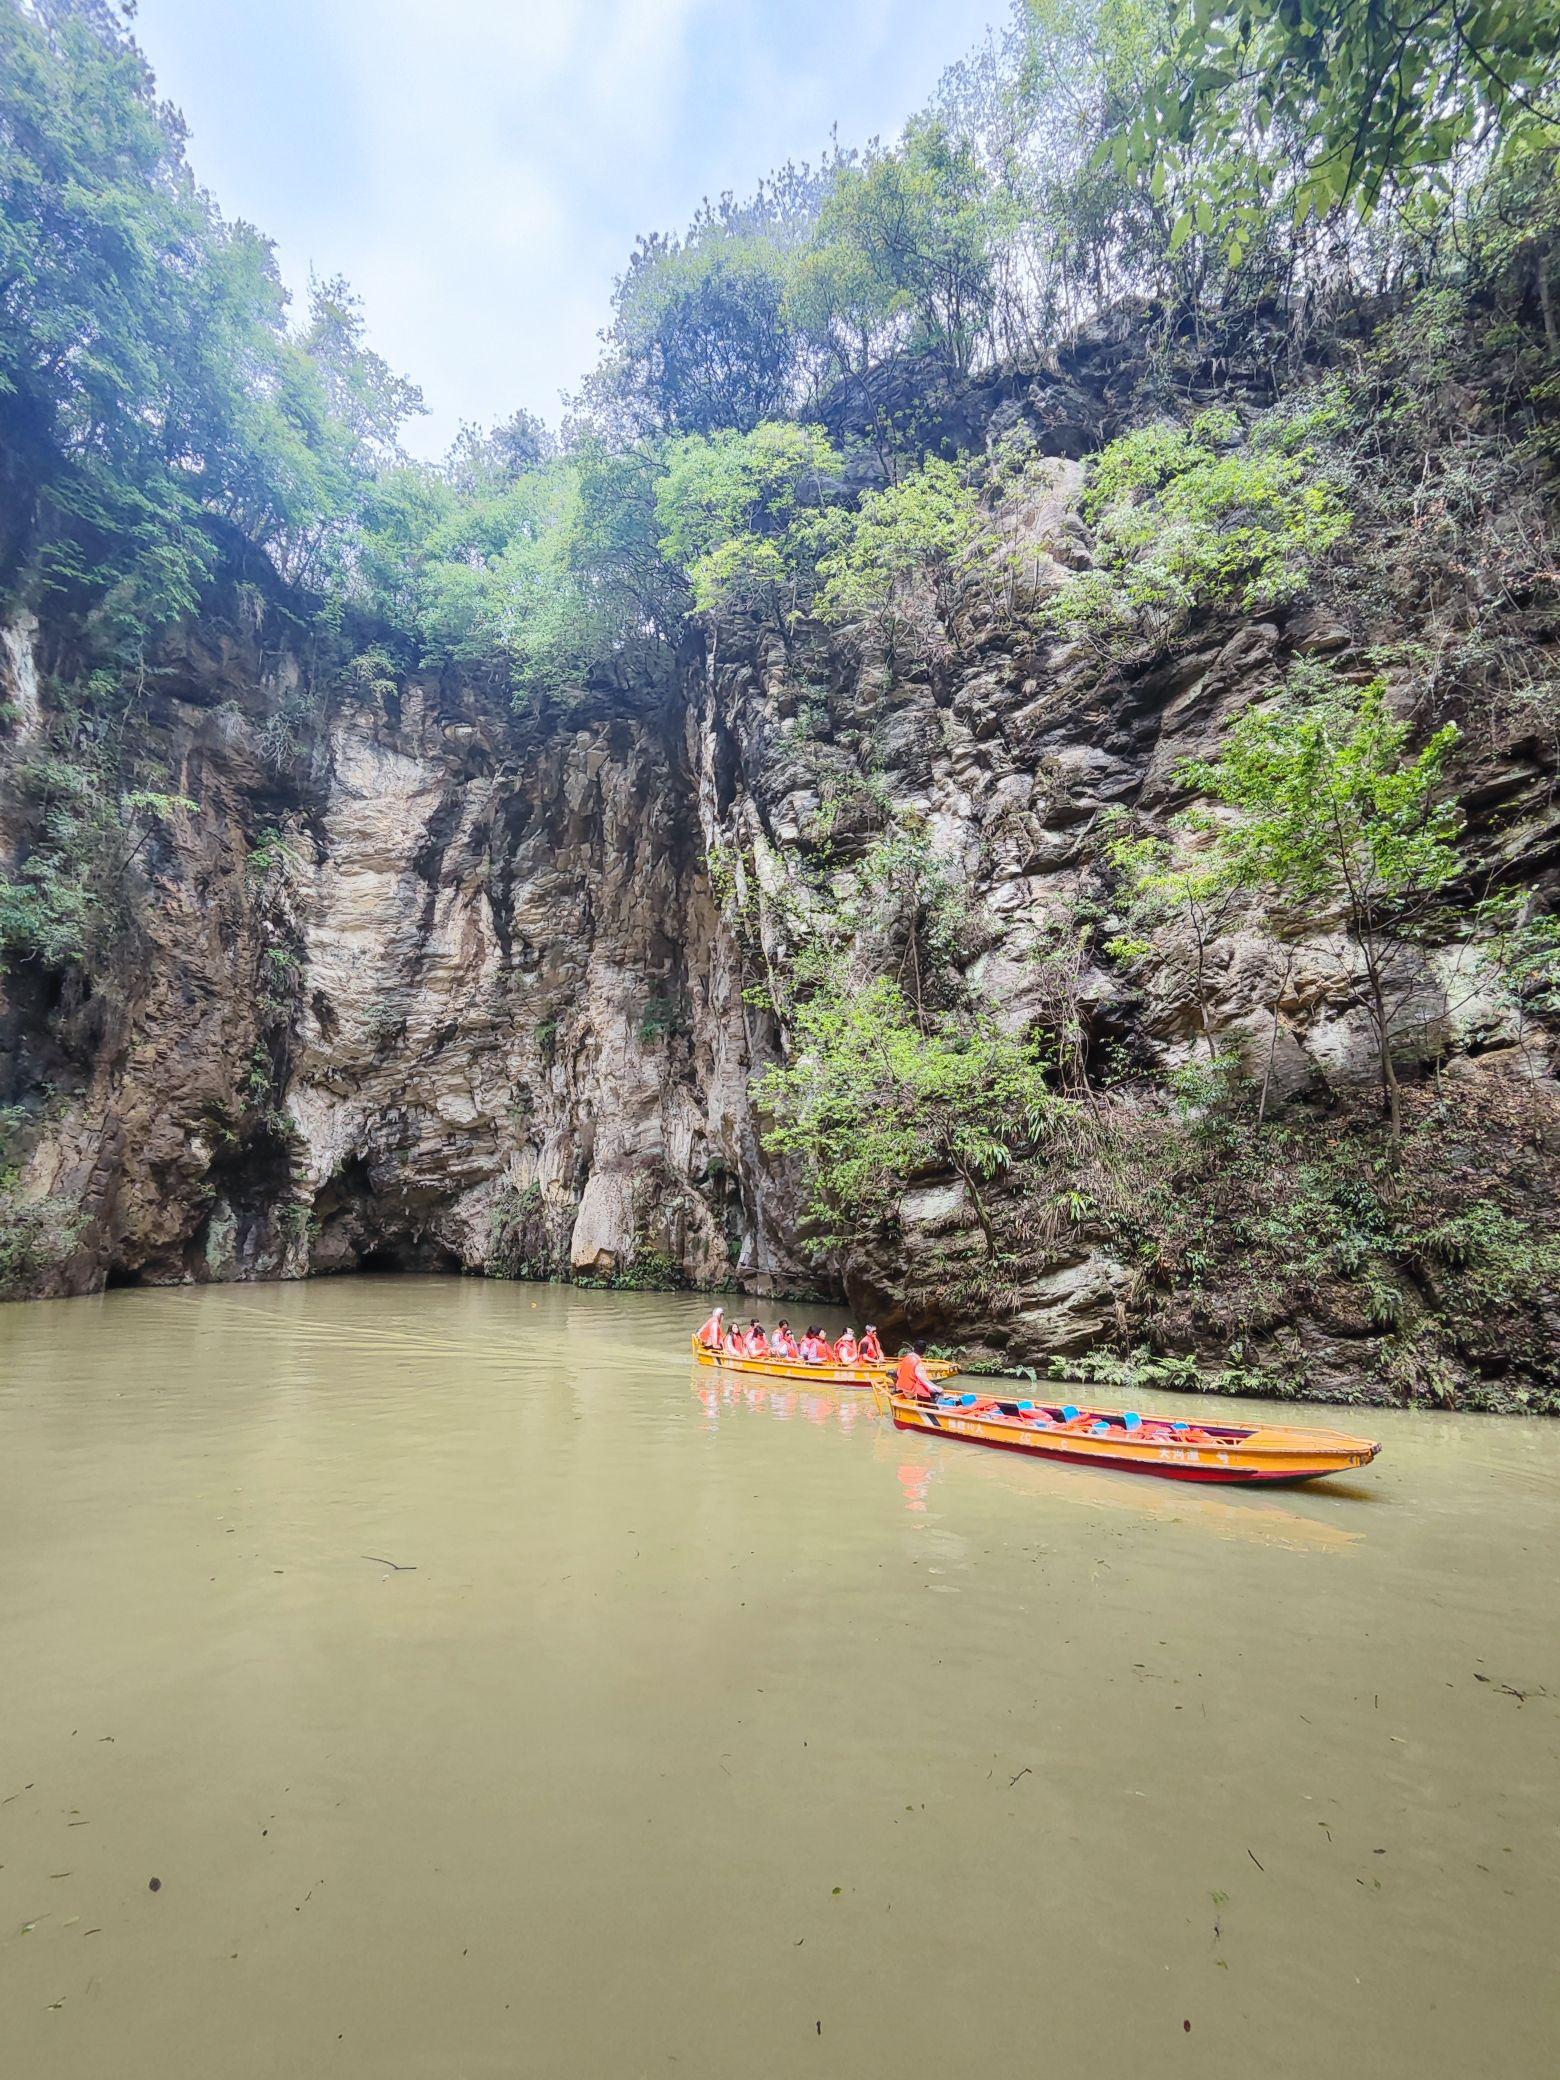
[1099,223]
[483,462]
[1391,92]
[728,503]
[916,228]
[836,302]
[1206,515]
[893,569]
[147,379]
[365,394]
[873,1096]
[68,896]
[701,338]
[1337,820]
[536,579]
[1189,878]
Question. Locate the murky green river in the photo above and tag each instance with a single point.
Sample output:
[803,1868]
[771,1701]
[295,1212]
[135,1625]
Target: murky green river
[489,1695]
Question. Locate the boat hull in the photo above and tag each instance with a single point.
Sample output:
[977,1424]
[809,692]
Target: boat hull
[1232,1457]
[864,1377]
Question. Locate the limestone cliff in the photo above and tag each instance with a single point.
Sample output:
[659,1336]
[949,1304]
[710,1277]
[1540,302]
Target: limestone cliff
[438,988]
[410,979]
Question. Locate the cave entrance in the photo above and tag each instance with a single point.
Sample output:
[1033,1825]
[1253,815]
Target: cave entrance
[419,1255]
[361,1227]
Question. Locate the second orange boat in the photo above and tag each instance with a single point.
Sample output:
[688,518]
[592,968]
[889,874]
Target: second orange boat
[1130,1443]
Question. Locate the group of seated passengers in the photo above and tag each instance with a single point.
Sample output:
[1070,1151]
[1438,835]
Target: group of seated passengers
[814,1347]
[912,1380]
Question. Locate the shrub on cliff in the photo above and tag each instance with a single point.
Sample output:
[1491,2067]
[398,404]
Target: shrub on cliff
[893,569]
[875,1094]
[532,580]
[1311,1250]
[66,900]
[36,1238]
[1337,822]
[729,507]
[1207,516]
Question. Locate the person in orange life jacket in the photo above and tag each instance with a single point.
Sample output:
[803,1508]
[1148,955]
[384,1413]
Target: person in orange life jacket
[871,1352]
[710,1334]
[783,1343]
[846,1347]
[912,1379]
[757,1341]
[814,1350]
[734,1344]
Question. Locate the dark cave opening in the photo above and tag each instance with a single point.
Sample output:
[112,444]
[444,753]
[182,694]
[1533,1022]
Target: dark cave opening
[382,1259]
[411,1256]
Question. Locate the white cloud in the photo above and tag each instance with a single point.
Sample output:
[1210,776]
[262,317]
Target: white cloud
[479,170]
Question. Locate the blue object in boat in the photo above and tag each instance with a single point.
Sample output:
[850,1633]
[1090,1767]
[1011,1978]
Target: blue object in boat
[1098,1429]
[1132,1419]
[966,1400]
[1069,1414]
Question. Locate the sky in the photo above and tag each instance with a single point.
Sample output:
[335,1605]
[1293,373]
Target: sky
[479,171]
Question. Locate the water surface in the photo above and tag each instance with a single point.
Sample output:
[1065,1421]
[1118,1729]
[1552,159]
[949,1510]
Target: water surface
[719,1732]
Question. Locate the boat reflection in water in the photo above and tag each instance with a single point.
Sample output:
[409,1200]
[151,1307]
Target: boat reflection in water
[916,1482]
[819,1405]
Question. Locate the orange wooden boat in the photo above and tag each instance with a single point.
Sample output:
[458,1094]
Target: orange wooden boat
[1130,1443]
[857,1375]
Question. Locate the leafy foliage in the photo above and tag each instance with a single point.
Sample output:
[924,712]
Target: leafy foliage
[151,389]
[1197,516]
[65,899]
[872,1095]
[729,505]
[1335,818]
[891,570]
[1524,942]
[1190,877]
[148,383]
[703,338]
[37,1236]
[905,246]
[1391,92]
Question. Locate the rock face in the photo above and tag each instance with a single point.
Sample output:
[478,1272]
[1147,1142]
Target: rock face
[457,996]
[442,986]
